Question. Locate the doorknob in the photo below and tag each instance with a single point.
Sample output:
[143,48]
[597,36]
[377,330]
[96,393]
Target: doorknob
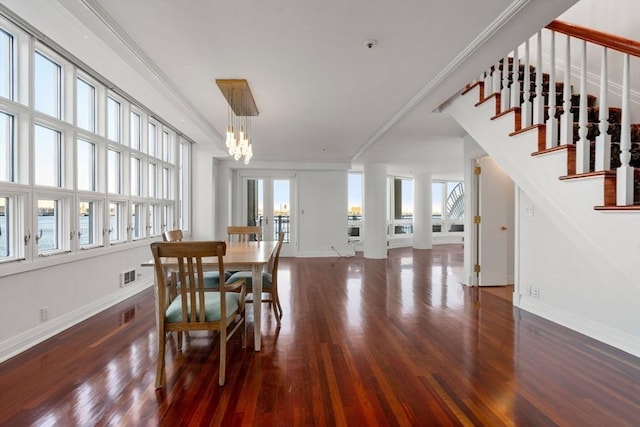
[503,228]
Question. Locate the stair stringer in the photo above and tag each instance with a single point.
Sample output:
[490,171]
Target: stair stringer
[608,240]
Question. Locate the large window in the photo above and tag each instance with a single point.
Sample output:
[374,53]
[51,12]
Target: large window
[135,177]
[6,65]
[47,85]
[86,165]
[137,221]
[89,223]
[152,142]
[86,105]
[114,172]
[48,156]
[51,226]
[135,129]
[447,206]
[80,163]
[165,183]
[7,148]
[154,220]
[117,220]
[166,146]
[7,211]
[354,211]
[153,180]
[401,204]
[114,121]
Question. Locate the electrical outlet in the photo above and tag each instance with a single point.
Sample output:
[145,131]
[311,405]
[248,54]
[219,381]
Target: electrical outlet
[44,314]
[536,292]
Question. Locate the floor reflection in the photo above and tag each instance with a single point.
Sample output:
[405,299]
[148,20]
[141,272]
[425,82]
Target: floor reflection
[391,341]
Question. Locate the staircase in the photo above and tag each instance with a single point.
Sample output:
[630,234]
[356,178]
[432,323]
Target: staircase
[598,139]
[571,146]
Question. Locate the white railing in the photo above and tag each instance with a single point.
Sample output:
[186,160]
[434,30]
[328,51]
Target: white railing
[542,54]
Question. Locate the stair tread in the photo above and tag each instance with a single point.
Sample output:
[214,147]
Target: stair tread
[618,208]
[592,124]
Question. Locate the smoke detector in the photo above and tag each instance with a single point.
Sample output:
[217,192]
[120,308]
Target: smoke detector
[370,43]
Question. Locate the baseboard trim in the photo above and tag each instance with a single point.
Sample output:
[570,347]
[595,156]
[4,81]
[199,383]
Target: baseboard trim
[620,340]
[24,341]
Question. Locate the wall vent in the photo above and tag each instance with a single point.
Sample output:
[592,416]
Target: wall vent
[127,277]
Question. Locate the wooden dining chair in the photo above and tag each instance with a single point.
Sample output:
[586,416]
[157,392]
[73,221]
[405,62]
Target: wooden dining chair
[211,278]
[172,236]
[193,308]
[269,281]
[243,233]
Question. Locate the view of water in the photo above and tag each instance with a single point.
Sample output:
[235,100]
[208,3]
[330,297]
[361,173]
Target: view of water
[47,223]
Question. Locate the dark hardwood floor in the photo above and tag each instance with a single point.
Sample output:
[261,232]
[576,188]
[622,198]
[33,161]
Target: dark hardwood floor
[362,343]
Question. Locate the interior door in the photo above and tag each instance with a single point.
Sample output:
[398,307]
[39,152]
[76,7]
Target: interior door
[268,202]
[495,226]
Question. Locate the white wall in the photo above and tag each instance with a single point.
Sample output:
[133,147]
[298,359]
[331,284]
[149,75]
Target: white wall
[589,297]
[606,16]
[608,240]
[204,179]
[322,213]
[72,291]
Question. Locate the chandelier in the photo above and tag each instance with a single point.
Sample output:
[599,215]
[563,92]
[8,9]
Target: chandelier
[241,107]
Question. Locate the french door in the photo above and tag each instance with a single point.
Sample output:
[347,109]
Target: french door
[269,203]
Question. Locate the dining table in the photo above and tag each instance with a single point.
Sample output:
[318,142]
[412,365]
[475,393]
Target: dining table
[246,256]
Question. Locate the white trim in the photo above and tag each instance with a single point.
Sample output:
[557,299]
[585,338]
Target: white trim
[19,343]
[597,331]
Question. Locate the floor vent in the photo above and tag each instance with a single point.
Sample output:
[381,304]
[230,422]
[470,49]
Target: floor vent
[127,277]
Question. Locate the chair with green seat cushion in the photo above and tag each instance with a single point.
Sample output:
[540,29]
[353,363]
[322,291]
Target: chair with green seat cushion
[269,280]
[211,278]
[187,307]
[173,313]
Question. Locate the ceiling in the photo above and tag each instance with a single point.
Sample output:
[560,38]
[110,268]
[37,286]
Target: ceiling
[322,94]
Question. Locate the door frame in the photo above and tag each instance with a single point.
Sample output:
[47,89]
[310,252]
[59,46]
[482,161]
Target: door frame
[290,248]
[477,228]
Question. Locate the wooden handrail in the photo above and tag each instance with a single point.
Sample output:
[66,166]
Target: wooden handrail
[621,44]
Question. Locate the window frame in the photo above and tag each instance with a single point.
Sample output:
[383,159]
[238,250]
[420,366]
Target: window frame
[443,226]
[59,121]
[97,223]
[94,110]
[152,135]
[63,219]
[59,166]
[12,57]
[122,221]
[118,119]
[49,55]
[142,215]
[10,151]
[398,227]
[16,226]
[118,190]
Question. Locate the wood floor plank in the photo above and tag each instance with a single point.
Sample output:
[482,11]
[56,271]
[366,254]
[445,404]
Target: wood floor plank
[395,342]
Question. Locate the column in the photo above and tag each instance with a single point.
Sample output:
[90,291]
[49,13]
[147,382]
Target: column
[422,231]
[375,211]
